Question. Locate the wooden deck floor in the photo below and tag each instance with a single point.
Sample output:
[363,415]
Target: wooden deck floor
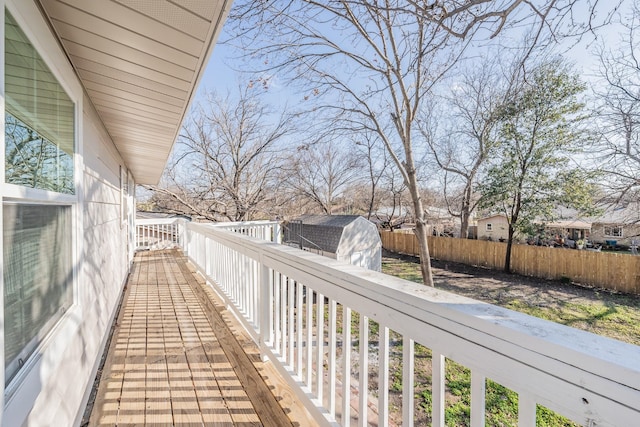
[177,359]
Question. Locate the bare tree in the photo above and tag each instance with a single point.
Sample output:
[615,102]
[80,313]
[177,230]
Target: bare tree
[230,150]
[394,201]
[320,172]
[178,196]
[370,73]
[619,111]
[555,18]
[469,138]
[372,63]
[377,161]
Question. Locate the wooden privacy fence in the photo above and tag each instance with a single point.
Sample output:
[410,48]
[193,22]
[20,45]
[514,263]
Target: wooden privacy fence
[615,271]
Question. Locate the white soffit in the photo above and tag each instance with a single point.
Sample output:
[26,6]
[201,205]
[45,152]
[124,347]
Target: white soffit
[140,62]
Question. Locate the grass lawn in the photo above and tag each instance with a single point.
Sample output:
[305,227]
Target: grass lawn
[598,311]
[613,315]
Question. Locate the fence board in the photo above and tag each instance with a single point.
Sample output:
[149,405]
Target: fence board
[615,271]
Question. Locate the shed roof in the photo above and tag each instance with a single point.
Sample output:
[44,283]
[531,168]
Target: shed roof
[323,232]
[328,220]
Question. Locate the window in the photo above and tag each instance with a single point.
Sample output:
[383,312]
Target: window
[37,225]
[38,275]
[613,230]
[39,119]
[489,226]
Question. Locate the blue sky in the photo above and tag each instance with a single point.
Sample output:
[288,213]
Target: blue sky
[221,77]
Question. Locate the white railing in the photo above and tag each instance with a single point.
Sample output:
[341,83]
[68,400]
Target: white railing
[294,302]
[159,233]
[270,231]
[153,234]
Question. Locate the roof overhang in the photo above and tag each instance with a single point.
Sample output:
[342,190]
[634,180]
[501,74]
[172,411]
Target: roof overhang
[575,224]
[140,62]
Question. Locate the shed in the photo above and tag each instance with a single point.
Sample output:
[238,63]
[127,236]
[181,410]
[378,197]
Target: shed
[349,238]
[494,227]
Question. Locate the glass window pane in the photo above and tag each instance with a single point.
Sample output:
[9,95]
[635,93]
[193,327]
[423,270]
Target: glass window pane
[38,276]
[39,118]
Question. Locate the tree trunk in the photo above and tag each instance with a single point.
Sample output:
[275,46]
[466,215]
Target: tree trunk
[421,229]
[465,212]
[464,225]
[425,259]
[411,181]
[371,202]
[507,258]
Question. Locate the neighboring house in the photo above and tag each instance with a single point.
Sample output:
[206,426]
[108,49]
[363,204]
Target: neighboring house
[441,223]
[568,231]
[617,226]
[94,96]
[494,227]
[387,217]
[349,238]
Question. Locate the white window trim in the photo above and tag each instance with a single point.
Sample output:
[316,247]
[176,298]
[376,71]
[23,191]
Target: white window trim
[489,226]
[29,18]
[611,228]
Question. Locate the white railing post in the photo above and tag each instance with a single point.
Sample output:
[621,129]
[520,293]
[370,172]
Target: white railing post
[437,389]
[291,341]
[277,233]
[283,280]
[299,336]
[478,397]
[363,377]
[180,226]
[346,366]
[264,309]
[383,376]
[332,356]
[309,359]
[526,411]
[319,346]
[408,361]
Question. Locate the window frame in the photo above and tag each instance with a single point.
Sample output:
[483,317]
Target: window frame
[49,325]
[609,231]
[489,226]
[35,26]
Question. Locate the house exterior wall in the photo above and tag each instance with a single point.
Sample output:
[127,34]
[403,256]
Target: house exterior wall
[601,232]
[493,228]
[54,384]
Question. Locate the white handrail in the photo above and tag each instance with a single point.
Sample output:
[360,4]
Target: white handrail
[263,230]
[161,233]
[590,379]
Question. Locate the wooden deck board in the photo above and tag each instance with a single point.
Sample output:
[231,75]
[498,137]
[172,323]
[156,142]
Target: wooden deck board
[174,359]
[158,411]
